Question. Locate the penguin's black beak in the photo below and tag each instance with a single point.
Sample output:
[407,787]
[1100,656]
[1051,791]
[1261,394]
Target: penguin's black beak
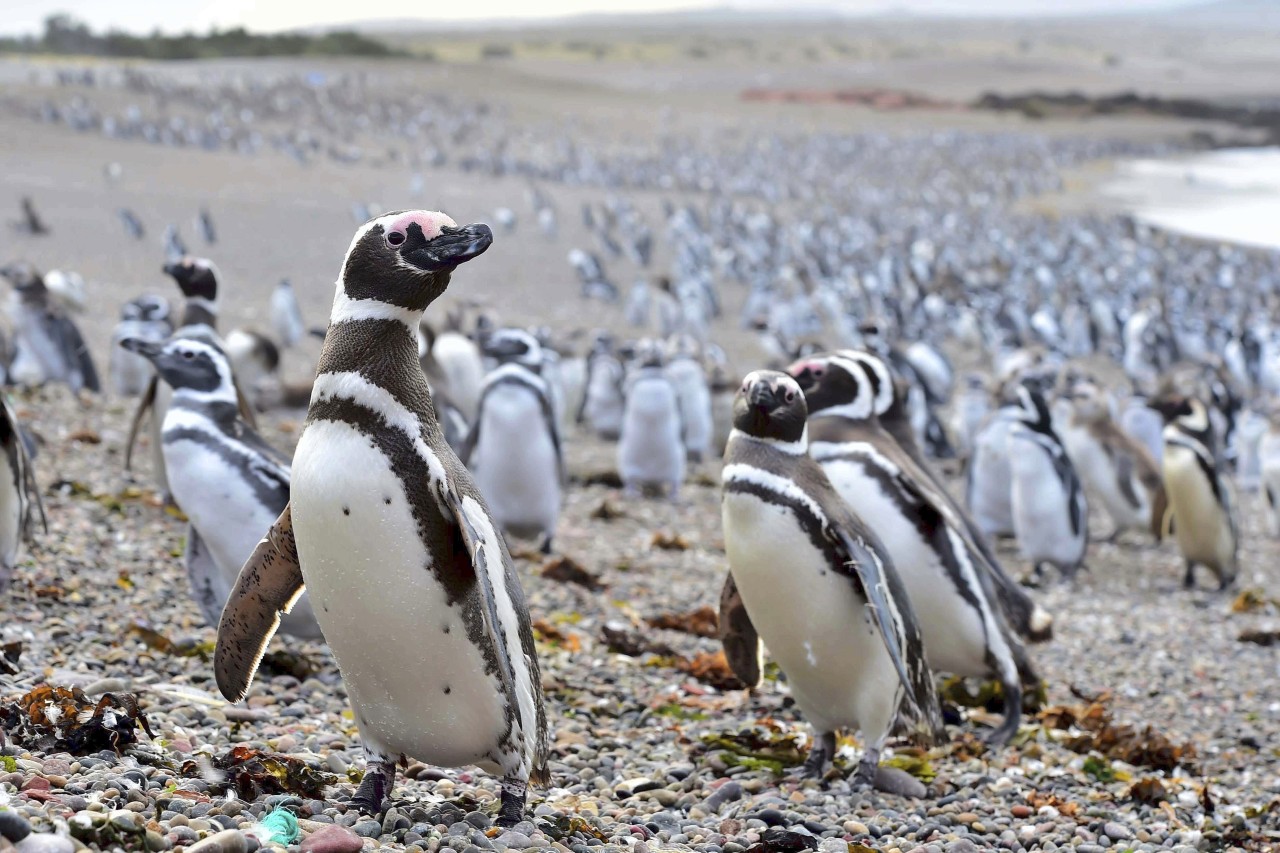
[149,350]
[763,396]
[172,268]
[452,247]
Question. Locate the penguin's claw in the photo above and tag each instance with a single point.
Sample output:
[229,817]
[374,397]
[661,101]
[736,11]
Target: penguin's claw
[371,797]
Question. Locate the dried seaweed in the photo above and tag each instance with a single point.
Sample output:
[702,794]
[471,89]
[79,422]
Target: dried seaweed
[1260,636]
[712,668]
[620,639]
[702,622]
[779,840]
[761,747]
[252,773]
[568,570]
[1150,791]
[1090,728]
[57,719]
[664,541]
[606,511]
[157,642]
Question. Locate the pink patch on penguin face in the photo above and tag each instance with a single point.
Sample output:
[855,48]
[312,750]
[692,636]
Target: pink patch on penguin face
[430,221]
[815,367]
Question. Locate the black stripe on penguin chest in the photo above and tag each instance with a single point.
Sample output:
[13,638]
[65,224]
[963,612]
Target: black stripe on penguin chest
[269,488]
[813,527]
[450,564]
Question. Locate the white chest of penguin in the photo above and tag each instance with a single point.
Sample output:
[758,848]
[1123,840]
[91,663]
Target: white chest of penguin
[954,637]
[416,682]
[810,618]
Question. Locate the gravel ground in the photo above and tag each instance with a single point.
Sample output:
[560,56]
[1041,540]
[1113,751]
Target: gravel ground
[648,753]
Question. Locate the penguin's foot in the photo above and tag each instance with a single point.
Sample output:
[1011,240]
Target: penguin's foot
[546,545]
[1002,734]
[820,754]
[511,811]
[371,796]
[865,778]
[1189,577]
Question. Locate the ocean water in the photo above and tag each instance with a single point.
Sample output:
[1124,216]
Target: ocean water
[1232,195]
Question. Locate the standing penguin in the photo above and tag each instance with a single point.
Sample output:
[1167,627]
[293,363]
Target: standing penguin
[18,492]
[1116,468]
[650,450]
[889,401]
[1050,512]
[514,449]
[1269,463]
[693,396]
[286,315]
[48,346]
[391,537]
[811,581]
[950,588]
[145,318]
[603,402]
[1204,521]
[228,481]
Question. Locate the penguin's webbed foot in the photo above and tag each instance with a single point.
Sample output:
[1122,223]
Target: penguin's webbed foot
[1189,577]
[511,811]
[371,797]
[820,754]
[546,545]
[1003,733]
[865,778]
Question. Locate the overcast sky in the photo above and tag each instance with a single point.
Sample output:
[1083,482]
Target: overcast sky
[177,15]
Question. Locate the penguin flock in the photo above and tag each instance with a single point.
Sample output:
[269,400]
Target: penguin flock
[1084,384]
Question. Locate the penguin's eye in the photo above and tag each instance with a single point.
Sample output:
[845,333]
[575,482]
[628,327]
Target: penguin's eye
[819,372]
[395,238]
[746,386]
[790,396]
[188,355]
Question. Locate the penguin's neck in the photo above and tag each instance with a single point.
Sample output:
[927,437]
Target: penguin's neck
[200,311]
[223,395]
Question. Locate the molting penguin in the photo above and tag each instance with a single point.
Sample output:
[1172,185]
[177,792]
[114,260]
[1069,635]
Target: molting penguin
[18,492]
[814,584]
[229,482]
[945,574]
[1115,467]
[145,318]
[1204,521]
[48,346]
[1050,512]
[391,537]
[514,449]
[650,450]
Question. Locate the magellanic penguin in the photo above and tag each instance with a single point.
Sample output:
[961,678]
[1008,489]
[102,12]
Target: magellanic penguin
[951,589]
[408,573]
[18,492]
[650,450]
[145,318]
[228,481]
[1115,467]
[1050,511]
[812,582]
[1269,463]
[604,402]
[1203,515]
[514,449]
[48,346]
[197,278]
[286,315]
[1030,620]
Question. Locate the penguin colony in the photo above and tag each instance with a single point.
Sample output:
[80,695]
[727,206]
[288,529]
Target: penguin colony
[433,443]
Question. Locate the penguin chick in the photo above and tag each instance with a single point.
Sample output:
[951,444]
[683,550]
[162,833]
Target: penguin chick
[815,585]
[409,576]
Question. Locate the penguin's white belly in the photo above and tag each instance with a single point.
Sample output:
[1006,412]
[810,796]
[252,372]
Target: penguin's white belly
[220,504]
[651,451]
[1041,512]
[10,516]
[416,682]
[515,463]
[954,638]
[990,496]
[1201,528]
[811,619]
